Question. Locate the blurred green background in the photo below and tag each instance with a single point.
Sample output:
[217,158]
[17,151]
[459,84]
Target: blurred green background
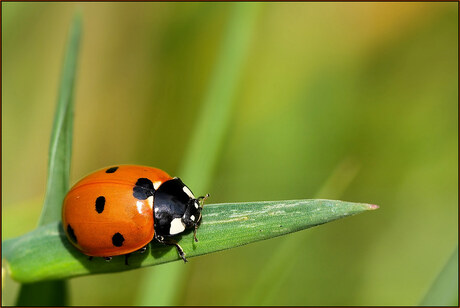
[354,101]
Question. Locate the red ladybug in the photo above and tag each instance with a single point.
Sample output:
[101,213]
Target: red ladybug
[119,210]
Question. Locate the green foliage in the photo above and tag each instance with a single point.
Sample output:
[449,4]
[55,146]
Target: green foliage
[224,226]
[60,152]
[212,125]
[444,290]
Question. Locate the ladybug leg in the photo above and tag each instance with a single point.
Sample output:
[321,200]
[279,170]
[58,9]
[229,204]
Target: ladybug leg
[90,258]
[143,249]
[194,234]
[180,251]
[170,242]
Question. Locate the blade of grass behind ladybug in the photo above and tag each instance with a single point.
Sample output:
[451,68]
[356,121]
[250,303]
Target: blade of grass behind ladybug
[54,293]
[61,137]
[444,290]
[163,283]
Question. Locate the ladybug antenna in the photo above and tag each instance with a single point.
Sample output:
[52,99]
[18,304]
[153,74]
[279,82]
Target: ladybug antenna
[201,199]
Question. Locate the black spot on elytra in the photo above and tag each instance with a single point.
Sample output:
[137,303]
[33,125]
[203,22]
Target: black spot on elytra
[111,170]
[71,233]
[100,202]
[118,239]
[143,189]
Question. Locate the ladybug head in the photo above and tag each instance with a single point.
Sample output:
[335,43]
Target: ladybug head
[176,208]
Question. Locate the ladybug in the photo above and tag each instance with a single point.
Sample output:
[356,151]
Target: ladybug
[119,210]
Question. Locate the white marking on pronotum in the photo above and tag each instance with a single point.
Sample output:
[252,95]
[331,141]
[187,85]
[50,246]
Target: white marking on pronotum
[188,192]
[176,226]
[156,184]
[192,217]
[150,202]
[196,205]
[139,205]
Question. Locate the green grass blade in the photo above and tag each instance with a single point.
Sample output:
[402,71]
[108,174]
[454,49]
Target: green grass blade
[162,284]
[55,293]
[61,137]
[224,226]
[213,123]
[444,290]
